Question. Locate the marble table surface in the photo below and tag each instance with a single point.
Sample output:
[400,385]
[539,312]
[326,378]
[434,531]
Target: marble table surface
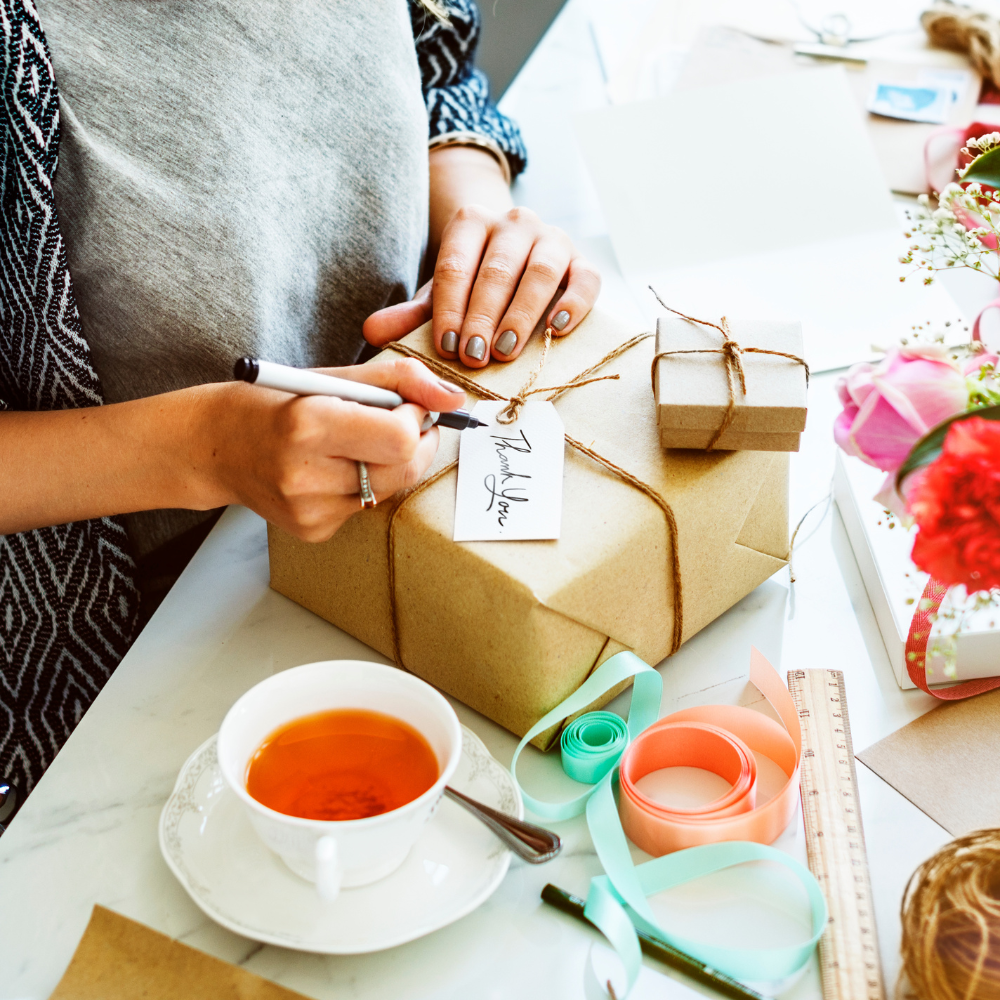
[88,834]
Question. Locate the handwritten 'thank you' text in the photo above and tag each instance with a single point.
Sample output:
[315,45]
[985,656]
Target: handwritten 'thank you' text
[503,497]
[510,476]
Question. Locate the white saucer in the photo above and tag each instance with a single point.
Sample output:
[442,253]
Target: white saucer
[455,866]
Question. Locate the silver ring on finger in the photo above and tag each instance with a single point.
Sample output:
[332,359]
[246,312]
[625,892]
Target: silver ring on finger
[367,496]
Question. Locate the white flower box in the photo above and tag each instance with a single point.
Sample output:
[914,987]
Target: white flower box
[894,584]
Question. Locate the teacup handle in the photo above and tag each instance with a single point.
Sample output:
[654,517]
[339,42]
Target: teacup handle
[328,871]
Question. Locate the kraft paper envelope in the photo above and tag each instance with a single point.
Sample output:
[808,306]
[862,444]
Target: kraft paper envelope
[947,763]
[760,201]
[120,959]
[513,628]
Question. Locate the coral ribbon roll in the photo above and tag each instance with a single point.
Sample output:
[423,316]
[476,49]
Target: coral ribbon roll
[659,829]
[724,739]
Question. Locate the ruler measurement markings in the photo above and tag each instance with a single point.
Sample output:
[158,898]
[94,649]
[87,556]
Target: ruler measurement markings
[835,843]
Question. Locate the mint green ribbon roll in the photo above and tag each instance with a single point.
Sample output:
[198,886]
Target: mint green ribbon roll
[592,747]
[644,710]
[592,744]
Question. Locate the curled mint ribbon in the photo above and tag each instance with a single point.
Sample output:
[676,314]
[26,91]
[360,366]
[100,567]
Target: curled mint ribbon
[592,746]
[647,689]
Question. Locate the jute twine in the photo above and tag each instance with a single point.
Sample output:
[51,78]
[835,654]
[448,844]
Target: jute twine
[732,356]
[515,403]
[971,32]
[951,923]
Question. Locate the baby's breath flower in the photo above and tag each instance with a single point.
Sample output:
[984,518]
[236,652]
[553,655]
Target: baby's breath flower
[939,230]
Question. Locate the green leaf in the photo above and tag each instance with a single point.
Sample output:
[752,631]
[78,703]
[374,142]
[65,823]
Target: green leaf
[929,447]
[985,169]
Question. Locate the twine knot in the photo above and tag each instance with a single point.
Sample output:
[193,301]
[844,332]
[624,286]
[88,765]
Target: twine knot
[513,408]
[732,354]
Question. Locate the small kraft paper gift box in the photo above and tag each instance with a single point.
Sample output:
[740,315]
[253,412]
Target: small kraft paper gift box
[735,387]
[653,545]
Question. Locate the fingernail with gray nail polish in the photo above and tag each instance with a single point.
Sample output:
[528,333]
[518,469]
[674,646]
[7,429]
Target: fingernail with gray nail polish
[449,341]
[450,386]
[476,348]
[506,343]
[560,319]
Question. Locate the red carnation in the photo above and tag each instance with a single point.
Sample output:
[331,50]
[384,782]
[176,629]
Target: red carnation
[956,503]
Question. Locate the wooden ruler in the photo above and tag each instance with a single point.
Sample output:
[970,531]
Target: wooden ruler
[835,840]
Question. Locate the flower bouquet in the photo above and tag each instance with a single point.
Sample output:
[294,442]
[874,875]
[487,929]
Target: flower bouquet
[928,416]
[925,423]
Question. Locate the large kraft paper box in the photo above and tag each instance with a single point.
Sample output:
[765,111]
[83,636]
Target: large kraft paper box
[513,628]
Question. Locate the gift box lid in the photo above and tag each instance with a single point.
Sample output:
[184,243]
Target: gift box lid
[692,392]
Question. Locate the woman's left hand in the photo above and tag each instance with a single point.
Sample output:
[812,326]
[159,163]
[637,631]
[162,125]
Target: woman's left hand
[496,272]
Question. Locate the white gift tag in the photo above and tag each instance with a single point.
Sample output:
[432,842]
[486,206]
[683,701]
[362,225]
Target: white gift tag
[510,476]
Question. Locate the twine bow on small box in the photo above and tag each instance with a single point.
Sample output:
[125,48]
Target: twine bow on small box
[732,356]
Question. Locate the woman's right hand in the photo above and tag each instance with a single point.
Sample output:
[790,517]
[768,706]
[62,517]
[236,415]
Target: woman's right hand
[291,459]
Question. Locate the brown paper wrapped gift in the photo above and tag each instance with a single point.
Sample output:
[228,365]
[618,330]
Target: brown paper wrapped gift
[697,380]
[654,545]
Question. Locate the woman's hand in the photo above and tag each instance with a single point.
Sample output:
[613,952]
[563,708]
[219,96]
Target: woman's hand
[497,269]
[292,459]
[302,474]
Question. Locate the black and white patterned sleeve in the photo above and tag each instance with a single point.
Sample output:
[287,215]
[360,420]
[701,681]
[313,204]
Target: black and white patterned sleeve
[458,94]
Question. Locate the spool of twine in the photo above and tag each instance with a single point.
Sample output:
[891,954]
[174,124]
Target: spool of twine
[951,923]
[964,29]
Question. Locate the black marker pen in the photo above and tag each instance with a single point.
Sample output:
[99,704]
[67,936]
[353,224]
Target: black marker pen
[303,382]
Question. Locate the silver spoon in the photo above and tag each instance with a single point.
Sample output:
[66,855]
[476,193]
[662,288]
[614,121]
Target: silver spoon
[534,844]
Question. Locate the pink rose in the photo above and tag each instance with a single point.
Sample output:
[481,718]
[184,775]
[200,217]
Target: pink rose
[888,406]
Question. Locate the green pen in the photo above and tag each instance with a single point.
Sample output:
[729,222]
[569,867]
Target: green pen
[660,950]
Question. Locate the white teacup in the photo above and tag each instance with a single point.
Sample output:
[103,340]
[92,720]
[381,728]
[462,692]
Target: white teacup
[344,853]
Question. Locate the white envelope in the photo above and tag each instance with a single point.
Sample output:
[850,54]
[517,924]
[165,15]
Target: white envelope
[763,200]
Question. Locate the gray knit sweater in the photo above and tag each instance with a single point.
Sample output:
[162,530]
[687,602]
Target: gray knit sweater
[234,178]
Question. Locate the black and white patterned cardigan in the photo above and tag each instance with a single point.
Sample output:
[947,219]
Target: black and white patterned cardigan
[68,601]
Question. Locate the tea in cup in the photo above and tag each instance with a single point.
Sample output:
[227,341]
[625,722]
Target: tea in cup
[340,765]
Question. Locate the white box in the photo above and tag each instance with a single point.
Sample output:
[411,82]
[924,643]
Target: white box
[894,584]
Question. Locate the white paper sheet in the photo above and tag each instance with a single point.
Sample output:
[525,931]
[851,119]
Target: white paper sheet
[510,476]
[760,201]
